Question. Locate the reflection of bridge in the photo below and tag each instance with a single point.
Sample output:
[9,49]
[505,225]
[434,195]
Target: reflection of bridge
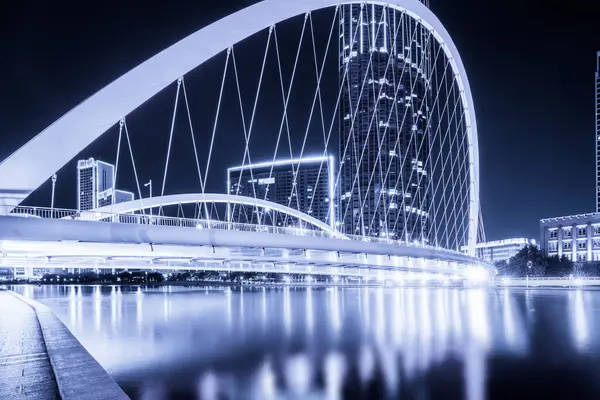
[410,219]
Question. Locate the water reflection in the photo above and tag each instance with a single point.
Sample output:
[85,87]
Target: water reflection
[269,343]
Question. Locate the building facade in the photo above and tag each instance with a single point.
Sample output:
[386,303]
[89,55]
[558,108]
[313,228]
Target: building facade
[95,185]
[576,237]
[114,196]
[598,131]
[384,124]
[304,184]
[501,250]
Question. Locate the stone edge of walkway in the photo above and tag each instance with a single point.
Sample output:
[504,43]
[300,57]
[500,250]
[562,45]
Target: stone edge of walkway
[78,375]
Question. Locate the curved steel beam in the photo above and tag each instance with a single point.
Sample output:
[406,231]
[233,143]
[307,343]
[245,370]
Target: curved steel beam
[31,165]
[192,198]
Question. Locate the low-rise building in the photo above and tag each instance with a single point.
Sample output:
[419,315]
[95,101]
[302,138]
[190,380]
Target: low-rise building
[501,250]
[576,237]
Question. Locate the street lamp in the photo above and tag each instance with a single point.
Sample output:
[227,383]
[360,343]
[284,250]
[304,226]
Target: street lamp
[52,200]
[150,185]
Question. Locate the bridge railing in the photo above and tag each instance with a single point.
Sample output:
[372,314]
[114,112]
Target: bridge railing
[160,220]
[546,278]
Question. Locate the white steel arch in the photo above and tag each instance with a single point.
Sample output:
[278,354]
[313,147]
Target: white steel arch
[31,165]
[193,198]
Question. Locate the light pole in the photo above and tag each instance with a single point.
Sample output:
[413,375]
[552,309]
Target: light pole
[52,200]
[146,185]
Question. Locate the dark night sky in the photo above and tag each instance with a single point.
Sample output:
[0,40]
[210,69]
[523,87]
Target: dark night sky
[531,68]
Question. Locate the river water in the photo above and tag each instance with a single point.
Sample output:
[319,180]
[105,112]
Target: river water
[337,343]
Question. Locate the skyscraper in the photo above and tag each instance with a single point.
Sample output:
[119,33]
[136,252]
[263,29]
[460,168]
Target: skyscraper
[598,131]
[95,185]
[304,184]
[384,124]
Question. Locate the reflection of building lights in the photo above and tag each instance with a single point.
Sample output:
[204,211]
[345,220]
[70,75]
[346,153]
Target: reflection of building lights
[298,374]
[579,319]
[335,369]
[266,382]
[208,386]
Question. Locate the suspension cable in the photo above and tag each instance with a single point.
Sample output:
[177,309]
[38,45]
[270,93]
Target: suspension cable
[187,106]
[247,133]
[162,192]
[116,170]
[137,181]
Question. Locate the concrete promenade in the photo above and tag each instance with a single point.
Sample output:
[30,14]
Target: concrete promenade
[25,370]
[541,282]
[65,369]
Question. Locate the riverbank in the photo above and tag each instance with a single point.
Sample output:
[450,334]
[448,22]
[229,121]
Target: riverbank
[200,284]
[64,368]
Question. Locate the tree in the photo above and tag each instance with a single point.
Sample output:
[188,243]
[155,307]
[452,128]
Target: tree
[155,277]
[88,277]
[529,261]
[559,266]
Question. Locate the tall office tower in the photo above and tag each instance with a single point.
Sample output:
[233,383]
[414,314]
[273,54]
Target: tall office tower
[598,131]
[384,124]
[304,184]
[95,185]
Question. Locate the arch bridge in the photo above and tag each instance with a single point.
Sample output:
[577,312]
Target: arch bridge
[408,192]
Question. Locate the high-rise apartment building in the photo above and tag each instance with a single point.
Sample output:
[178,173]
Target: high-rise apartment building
[384,124]
[598,131]
[304,184]
[95,185]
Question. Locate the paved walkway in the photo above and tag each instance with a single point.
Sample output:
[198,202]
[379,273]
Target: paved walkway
[25,370]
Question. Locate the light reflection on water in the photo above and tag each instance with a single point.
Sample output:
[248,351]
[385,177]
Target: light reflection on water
[334,343]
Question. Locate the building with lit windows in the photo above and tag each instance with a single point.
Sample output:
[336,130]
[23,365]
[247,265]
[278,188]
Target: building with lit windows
[576,237]
[95,185]
[303,184]
[501,250]
[384,181]
[598,132]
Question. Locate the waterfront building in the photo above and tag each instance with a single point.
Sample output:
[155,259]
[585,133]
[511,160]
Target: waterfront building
[303,184]
[95,185]
[384,179]
[576,237]
[501,250]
